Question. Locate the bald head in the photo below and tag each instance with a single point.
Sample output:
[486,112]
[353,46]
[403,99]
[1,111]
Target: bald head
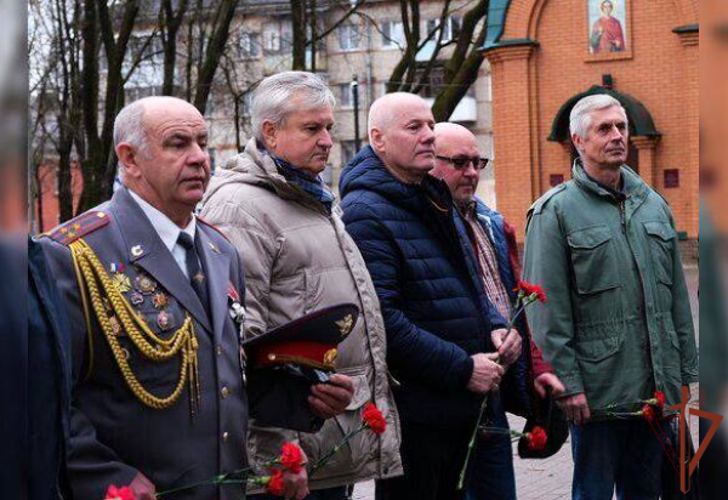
[400,132]
[386,108]
[129,125]
[446,133]
[458,160]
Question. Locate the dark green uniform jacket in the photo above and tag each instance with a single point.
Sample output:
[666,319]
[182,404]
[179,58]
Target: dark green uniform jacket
[617,323]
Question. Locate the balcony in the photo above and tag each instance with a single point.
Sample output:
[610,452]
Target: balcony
[465,112]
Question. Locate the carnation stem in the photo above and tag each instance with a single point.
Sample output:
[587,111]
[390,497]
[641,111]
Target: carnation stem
[233,477]
[322,461]
[471,444]
[521,303]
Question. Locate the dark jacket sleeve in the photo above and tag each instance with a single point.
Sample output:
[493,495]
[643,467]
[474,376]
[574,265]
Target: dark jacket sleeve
[92,466]
[14,432]
[413,351]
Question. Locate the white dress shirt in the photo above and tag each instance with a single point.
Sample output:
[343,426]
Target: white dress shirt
[168,231]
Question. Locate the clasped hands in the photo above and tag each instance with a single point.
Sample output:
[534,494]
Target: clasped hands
[488,368]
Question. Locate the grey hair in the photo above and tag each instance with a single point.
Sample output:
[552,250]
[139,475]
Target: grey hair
[129,128]
[580,117]
[274,100]
[129,125]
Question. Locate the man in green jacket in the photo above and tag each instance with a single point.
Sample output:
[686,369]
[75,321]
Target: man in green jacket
[617,325]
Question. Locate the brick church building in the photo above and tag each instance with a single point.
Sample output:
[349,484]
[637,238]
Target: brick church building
[547,54]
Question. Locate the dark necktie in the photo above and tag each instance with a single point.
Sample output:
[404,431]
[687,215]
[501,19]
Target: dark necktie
[194,269]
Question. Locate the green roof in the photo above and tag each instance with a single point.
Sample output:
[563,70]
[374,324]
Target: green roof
[497,11]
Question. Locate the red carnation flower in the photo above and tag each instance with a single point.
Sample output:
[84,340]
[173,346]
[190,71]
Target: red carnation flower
[291,457]
[529,290]
[374,419]
[649,412]
[123,493]
[537,438]
[661,400]
[275,485]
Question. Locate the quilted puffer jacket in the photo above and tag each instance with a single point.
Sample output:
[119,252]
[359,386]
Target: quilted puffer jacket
[436,314]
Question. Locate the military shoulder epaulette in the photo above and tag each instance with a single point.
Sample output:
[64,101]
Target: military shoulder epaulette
[212,226]
[84,224]
[541,202]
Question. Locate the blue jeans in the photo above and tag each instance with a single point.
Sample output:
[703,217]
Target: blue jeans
[338,493]
[492,476]
[622,453]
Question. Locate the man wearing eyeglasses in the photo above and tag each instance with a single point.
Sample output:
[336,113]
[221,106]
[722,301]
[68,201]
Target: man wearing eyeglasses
[458,162]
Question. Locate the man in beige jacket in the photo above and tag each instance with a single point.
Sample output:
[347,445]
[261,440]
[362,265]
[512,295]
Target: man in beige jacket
[272,203]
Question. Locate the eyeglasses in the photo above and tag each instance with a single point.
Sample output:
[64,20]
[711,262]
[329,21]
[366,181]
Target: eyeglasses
[462,163]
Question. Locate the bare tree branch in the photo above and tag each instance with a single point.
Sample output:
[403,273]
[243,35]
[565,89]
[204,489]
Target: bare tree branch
[215,49]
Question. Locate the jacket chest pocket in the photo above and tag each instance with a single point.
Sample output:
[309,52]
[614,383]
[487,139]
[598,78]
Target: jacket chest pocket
[660,238]
[593,259]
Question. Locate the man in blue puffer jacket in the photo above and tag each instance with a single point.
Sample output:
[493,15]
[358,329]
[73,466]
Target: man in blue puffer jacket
[459,164]
[444,338]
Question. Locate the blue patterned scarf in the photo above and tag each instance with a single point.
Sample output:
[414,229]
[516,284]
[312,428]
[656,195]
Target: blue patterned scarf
[311,184]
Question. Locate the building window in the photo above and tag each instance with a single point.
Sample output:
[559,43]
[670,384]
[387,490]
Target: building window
[556,179]
[452,28]
[348,152]
[393,35]
[488,88]
[145,49]
[278,36]
[211,151]
[272,38]
[246,104]
[249,46]
[434,83]
[671,178]
[349,36]
[347,94]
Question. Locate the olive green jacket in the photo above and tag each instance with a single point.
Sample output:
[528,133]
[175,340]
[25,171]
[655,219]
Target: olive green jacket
[617,323]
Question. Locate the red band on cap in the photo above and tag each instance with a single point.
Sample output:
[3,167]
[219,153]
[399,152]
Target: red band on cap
[311,354]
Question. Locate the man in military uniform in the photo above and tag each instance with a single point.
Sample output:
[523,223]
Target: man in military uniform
[159,400]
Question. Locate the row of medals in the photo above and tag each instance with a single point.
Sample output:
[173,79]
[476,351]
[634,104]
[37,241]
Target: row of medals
[144,286]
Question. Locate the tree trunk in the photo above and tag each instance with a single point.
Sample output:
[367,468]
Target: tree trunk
[98,166]
[449,98]
[313,19]
[300,26]
[90,92]
[172,22]
[238,131]
[215,50]
[65,191]
[40,225]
